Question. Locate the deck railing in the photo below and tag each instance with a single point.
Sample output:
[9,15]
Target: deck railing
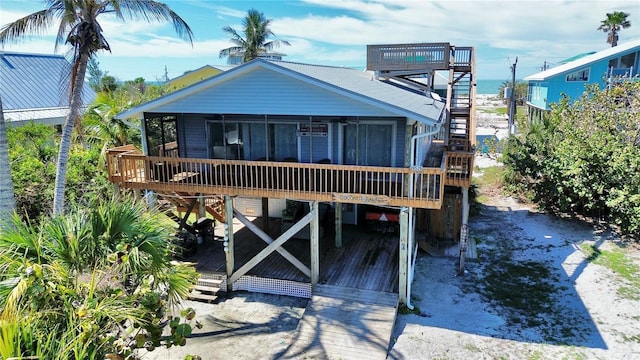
[408,56]
[421,188]
[463,56]
[458,168]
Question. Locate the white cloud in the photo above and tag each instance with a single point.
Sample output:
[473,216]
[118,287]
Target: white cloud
[336,32]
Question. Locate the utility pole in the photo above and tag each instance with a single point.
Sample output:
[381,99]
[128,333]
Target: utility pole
[545,66]
[512,100]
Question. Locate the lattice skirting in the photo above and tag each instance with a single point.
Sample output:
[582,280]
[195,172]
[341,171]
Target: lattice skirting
[272,286]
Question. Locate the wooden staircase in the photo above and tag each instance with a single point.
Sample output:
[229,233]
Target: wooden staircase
[405,62]
[460,100]
[206,289]
[186,202]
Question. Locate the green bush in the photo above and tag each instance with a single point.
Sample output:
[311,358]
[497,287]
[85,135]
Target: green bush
[583,157]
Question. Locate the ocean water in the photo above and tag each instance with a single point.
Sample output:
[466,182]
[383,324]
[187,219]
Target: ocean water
[488,86]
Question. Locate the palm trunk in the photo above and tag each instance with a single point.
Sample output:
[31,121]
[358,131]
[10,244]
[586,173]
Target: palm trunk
[67,131]
[7,199]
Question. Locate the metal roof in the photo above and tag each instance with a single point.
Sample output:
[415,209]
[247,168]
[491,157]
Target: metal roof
[584,61]
[356,84]
[31,85]
[364,84]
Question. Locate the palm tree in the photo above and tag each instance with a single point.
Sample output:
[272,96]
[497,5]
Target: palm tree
[78,26]
[614,22]
[7,199]
[256,33]
[89,284]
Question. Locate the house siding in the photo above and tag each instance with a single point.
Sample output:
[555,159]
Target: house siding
[266,92]
[545,89]
[192,130]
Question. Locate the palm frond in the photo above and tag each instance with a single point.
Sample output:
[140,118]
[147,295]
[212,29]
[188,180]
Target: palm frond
[150,10]
[33,24]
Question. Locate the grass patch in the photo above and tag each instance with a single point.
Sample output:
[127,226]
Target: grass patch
[404,310]
[527,287]
[491,176]
[489,181]
[633,338]
[616,261]
[527,291]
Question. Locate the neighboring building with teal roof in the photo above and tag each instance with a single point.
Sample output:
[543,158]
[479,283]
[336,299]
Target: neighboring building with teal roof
[571,78]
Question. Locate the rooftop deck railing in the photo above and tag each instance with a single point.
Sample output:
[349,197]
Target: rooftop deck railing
[463,56]
[408,56]
[421,188]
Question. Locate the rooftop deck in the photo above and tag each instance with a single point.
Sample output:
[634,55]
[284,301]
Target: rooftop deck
[418,57]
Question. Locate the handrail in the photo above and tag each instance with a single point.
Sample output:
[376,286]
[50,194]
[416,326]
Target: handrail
[112,160]
[300,181]
[459,167]
[408,56]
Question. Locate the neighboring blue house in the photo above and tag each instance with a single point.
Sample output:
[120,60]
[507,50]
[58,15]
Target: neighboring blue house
[35,87]
[570,78]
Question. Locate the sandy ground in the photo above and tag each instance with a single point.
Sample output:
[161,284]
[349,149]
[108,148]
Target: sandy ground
[583,318]
[580,315]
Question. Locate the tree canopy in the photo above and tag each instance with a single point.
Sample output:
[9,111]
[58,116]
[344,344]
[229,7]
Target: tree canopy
[614,22]
[584,157]
[79,27]
[255,42]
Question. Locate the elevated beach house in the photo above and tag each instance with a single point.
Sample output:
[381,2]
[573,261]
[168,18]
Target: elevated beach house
[570,78]
[320,151]
[35,87]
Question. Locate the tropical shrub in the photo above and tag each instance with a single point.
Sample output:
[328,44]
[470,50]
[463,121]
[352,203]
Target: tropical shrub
[93,284]
[33,150]
[584,157]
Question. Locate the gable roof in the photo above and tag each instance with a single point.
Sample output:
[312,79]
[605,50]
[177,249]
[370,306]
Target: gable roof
[584,61]
[354,84]
[36,87]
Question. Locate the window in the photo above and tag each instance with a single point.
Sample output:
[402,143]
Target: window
[162,135]
[368,144]
[283,141]
[628,61]
[225,141]
[580,75]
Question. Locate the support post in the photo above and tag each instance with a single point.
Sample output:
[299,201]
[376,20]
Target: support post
[403,254]
[201,210]
[338,225]
[314,229]
[464,231]
[265,215]
[228,240]
[512,100]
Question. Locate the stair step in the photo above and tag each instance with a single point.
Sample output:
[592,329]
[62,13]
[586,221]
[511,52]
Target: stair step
[196,295]
[206,289]
[210,282]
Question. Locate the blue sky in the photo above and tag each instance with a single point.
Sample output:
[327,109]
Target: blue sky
[336,32]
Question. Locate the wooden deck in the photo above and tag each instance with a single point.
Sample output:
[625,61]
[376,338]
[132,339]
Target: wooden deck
[343,323]
[368,260]
[382,186]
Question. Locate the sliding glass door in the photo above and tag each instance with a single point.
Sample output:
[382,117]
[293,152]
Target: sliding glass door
[252,141]
[368,144]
